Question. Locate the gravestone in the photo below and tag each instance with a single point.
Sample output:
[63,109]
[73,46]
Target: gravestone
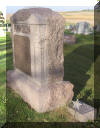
[85,112]
[37,41]
[69,39]
[83,28]
[70,27]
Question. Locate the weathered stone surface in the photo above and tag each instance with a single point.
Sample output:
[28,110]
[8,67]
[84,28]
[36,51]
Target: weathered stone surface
[37,36]
[24,28]
[33,16]
[69,39]
[45,30]
[83,28]
[41,99]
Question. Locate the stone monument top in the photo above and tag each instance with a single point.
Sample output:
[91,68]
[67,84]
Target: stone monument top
[36,16]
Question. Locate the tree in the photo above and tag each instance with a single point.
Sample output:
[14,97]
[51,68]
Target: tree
[2,20]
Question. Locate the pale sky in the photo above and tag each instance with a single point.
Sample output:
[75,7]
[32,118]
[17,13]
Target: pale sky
[5,3]
[13,9]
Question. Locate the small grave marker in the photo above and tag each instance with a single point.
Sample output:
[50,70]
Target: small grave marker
[85,112]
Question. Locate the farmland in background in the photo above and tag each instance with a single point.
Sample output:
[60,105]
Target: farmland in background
[78,16]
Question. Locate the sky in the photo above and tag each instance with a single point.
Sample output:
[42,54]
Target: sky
[72,5]
[13,9]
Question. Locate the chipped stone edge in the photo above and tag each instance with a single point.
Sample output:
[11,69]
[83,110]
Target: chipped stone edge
[38,98]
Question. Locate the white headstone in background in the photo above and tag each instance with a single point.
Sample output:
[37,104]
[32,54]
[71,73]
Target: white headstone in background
[83,28]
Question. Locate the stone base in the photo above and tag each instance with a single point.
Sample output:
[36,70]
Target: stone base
[42,99]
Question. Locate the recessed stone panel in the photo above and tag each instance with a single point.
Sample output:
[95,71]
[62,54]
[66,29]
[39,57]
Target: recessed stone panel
[24,28]
[22,53]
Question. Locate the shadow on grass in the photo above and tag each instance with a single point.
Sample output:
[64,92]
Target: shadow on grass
[97,72]
[82,38]
[76,66]
[2,41]
[2,79]
[5,47]
[5,56]
[48,125]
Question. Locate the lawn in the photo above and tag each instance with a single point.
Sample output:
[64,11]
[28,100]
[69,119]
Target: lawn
[2,80]
[78,68]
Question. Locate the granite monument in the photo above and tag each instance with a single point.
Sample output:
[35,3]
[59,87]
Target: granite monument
[37,41]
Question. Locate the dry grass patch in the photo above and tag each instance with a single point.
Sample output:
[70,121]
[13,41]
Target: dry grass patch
[74,17]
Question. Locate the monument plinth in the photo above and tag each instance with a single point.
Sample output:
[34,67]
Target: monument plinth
[37,40]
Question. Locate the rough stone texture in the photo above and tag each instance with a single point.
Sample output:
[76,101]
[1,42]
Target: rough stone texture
[69,39]
[26,16]
[24,28]
[37,36]
[45,30]
[41,99]
[83,28]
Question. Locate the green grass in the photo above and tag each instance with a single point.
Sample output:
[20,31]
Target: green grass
[2,80]
[21,112]
[78,68]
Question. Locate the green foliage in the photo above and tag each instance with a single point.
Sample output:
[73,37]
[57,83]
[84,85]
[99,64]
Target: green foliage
[2,20]
[79,68]
[67,32]
[1,13]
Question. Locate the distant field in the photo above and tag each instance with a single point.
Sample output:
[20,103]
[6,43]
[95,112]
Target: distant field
[78,16]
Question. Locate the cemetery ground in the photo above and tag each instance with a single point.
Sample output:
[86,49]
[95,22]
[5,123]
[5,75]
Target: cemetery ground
[2,80]
[78,68]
